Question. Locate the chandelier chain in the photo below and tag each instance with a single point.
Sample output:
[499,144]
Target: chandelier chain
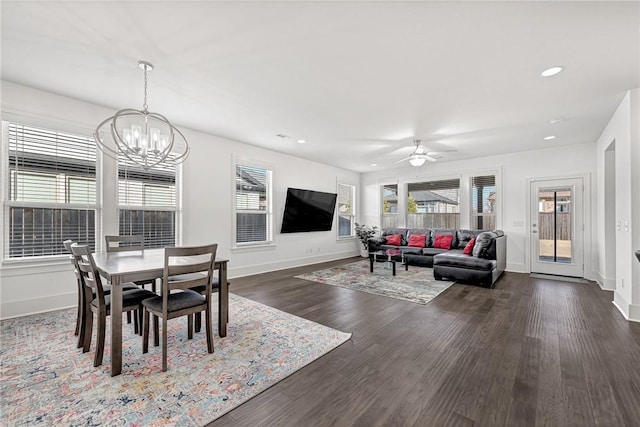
[145,90]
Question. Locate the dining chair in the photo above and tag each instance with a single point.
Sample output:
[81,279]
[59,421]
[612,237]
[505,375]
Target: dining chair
[99,302]
[129,243]
[79,331]
[188,267]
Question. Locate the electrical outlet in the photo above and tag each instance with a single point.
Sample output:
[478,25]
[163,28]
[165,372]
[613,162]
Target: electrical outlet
[622,282]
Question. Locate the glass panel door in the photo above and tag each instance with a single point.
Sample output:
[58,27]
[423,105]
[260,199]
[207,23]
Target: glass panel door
[556,227]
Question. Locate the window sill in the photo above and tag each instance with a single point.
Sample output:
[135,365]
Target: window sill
[20,267]
[346,239]
[254,248]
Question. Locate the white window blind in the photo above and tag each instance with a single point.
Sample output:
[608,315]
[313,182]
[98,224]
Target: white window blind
[433,204]
[483,202]
[254,219]
[147,202]
[346,210]
[51,193]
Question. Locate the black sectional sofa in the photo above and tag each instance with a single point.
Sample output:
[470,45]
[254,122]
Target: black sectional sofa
[482,266]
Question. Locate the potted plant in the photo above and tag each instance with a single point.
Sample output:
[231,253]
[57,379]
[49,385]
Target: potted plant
[364,233]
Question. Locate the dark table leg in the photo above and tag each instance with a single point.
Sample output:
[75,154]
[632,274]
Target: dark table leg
[371,256]
[116,326]
[393,267]
[223,300]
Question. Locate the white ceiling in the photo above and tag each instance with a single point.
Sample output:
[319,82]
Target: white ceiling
[357,80]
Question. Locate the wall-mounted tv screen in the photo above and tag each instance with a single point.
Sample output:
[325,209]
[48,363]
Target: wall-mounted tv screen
[307,210]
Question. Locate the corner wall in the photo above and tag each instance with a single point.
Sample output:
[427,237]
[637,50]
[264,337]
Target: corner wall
[624,130]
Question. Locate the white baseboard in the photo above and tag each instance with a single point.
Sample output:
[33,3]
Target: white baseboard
[516,267]
[37,305]
[630,312]
[290,263]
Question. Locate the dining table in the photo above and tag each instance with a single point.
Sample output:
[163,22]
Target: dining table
[129,266]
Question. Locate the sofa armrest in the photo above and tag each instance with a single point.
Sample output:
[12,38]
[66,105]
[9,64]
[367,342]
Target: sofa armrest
[374,243]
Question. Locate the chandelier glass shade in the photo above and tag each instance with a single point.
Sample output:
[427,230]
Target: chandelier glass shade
[143,137]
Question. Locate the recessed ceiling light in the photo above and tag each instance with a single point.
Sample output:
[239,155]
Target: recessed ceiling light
[302,141]
[550,137]
[374,164]
[551,71]
[554,121]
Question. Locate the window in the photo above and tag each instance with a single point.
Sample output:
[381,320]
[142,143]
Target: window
[389,206]
[433,204]
[483,202]
[346,210]
[51,193]
[253,210]
[147,201]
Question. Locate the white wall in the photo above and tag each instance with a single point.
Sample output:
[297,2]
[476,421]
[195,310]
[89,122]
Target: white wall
[208,177]
[515,171]
[623,130]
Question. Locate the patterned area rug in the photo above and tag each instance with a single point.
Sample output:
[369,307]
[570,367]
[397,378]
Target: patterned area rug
[416,285]
[47,381]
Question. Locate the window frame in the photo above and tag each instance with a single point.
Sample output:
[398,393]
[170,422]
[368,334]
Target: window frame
[270,220]
[5,191]
[352,215]
[497,205]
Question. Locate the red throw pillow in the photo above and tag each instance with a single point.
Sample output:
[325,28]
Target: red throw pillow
[468,250]
[417,240]
[394,239]
[443,241]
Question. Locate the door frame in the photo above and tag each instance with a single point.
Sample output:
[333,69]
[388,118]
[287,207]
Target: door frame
[587,209]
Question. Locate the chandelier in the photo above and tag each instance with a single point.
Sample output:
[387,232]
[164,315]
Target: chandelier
[145,138]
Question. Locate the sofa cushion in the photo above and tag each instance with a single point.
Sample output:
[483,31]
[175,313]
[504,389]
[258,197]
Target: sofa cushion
[443,241]
[485,245]
[463,237]
[458,259]
[427,232]
[404,249]
[417,240]
[468,250]
[446,231]
[394,239]
[432,251]
[389,231]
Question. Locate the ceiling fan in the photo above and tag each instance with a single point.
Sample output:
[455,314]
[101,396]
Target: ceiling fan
[421,154]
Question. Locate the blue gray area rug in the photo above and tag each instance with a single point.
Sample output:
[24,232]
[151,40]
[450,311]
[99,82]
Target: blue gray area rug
[415,285]
[47,381]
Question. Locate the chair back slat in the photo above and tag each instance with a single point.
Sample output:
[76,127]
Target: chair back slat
[124,243]
[87,268]
[185,261]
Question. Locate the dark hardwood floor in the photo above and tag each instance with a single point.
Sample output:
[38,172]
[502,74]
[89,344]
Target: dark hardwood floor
[529,352]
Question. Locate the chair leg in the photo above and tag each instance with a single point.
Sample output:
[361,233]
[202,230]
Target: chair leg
[189,326]
[102,325]
[207,318]
[145,333]
[164,345]
[140,312]
[198,321]
[137,328]
[79,314]
[156,331]
[88,330]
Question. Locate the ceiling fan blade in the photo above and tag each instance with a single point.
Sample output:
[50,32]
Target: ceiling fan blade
[431,159]
[403,160]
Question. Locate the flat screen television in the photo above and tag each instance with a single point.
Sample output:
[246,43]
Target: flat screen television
[307,210]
